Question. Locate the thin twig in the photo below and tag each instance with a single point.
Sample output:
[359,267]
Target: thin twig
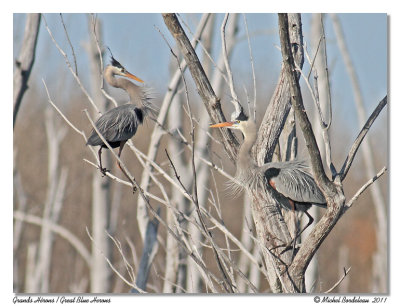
[61,114]
[327,75]
[235,100]
[207,162]
[128,266]
[324,126]
[313,96]
[363,188]
[208,236]
[130,284]
[314,57]
[70,44]
[62,231]
[117,179]
[153,211]
[252,70]
[346,272]
[206,52]
[100,52]
[227,233]
[77,79]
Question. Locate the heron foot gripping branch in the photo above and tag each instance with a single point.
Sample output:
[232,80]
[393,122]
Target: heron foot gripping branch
[104,171]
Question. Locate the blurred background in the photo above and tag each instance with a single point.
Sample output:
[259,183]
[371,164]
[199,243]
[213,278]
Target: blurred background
[138,41]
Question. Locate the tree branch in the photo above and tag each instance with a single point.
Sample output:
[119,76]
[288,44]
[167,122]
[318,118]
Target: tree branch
[363,188]
[63,232]
[297,102]
[346,272]
[204,88]
[279,105]
[235,100]
[353,151]
[157,133]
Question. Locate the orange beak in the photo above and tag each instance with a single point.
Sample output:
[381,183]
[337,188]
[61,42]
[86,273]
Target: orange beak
[223,124]
[133,77]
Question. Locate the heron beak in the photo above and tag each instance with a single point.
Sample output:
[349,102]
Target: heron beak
[133,77]
[223,124]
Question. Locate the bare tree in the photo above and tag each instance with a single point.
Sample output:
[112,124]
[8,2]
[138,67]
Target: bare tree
[321,91]
[41,254]
[101,193]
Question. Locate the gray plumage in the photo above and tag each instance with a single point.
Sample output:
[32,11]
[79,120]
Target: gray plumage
[292,180]
[116,125]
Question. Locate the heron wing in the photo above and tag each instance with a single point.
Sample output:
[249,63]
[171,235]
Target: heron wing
[118,124]
[292,180]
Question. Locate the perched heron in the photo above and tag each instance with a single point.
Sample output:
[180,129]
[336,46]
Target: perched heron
[289,179]
[119,124]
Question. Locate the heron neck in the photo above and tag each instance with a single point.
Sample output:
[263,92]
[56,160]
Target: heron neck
[245,160]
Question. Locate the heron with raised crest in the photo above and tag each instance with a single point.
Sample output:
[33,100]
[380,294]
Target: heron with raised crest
[120,124]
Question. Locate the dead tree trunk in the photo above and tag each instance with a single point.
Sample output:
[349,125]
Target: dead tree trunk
[322,87]
[174,257]
[100,271]
[25,60]
[38,278]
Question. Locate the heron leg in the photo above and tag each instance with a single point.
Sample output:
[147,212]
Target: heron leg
[293,206]
[310,221]
[121,146]
[102,170]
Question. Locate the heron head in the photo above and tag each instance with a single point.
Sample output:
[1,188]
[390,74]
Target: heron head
[238,121]
[247,127]
[118,69]
[236,124]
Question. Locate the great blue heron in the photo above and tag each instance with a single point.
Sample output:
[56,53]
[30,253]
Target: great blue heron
[289,179]
[119,124]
